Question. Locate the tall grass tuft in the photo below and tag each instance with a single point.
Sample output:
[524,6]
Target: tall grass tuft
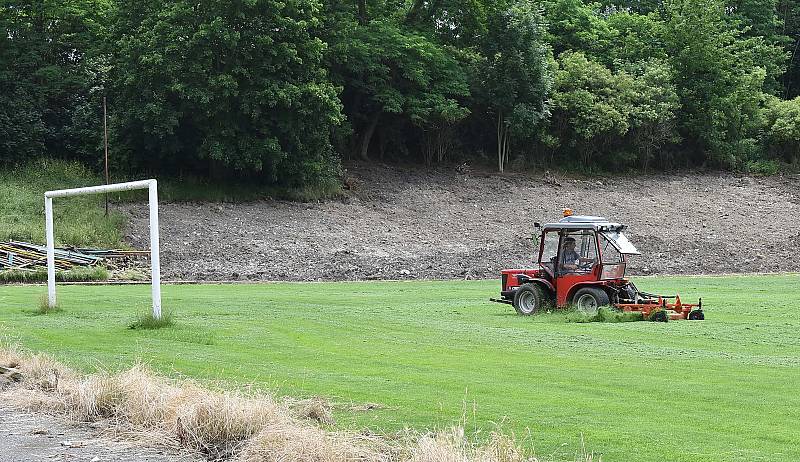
[44,306]
[146,320]
[77,274]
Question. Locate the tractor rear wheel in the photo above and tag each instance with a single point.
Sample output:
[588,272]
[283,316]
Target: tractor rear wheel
[529,299]
[589,299]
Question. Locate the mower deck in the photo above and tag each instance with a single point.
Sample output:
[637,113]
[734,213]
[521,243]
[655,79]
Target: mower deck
[675,311]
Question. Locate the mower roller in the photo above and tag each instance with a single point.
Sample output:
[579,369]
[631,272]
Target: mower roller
[582,262]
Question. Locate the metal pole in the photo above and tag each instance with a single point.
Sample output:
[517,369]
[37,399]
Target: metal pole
[51,257]
[155,264]
[105,141]
[152,187]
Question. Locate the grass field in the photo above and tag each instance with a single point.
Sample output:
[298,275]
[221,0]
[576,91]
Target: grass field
[432,354]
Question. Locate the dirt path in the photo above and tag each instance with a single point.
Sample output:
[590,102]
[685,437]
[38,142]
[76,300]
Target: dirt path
[26,437]
[421,224]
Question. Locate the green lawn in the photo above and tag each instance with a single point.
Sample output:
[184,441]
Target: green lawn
[430,353]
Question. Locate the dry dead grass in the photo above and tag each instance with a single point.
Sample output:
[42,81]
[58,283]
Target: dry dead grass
[227,425]
[317,409]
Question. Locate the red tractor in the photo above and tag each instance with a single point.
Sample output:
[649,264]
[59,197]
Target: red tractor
[582,263]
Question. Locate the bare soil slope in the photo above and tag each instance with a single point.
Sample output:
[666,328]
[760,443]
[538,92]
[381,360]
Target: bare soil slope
[417,224]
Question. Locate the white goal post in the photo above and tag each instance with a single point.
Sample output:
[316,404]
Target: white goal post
[152,187]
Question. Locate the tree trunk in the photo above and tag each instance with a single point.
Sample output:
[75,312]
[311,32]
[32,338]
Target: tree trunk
[368,136]
[500,162]
[362,12]
[505,146]
[502,142]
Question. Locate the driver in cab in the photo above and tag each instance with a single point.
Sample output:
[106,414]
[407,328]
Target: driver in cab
[569,257]
[571,261]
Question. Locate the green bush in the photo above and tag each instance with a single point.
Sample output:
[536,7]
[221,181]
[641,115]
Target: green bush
[782,133]
[763,167]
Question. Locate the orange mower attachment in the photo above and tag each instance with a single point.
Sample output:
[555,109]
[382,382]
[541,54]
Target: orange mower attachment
[659,308]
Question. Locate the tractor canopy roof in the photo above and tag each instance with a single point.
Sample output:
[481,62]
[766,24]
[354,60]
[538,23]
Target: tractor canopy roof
[583,222]
[611,230]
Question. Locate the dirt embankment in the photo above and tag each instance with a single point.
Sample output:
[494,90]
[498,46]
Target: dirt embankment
[422,224]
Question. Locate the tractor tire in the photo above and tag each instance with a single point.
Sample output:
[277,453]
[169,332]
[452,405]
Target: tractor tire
[529,299]
[696,315]
[589,299]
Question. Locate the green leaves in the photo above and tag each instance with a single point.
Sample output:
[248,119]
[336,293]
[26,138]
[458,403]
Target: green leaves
[240,84]
[49,93]
[399,71]
[592,106]
[782,134]
[280,90]
[517,78]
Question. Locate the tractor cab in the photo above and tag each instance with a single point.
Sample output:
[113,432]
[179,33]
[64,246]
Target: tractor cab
[581,261]
[582,249]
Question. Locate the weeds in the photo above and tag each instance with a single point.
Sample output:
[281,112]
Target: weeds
[78,274]
[191,189]
[44,306]
[146,320]
[132,274]
[79,221]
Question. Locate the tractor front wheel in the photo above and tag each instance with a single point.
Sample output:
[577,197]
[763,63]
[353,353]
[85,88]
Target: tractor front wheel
[589,299]
[528,299]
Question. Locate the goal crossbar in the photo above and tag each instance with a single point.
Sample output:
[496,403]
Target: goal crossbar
[155,264]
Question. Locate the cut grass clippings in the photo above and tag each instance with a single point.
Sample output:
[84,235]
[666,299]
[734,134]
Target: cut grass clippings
[604,314]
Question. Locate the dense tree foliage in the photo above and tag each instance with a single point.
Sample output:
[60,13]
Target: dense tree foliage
[394,75]
[237,85]
[516,79]
[280,91]
[49,72]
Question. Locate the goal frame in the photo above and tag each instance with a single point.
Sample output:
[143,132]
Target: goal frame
[155,262]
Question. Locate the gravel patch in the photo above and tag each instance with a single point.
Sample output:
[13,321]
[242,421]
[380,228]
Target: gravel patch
[28,437]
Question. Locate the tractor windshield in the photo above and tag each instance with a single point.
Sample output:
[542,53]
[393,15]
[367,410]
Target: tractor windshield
[621,242]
